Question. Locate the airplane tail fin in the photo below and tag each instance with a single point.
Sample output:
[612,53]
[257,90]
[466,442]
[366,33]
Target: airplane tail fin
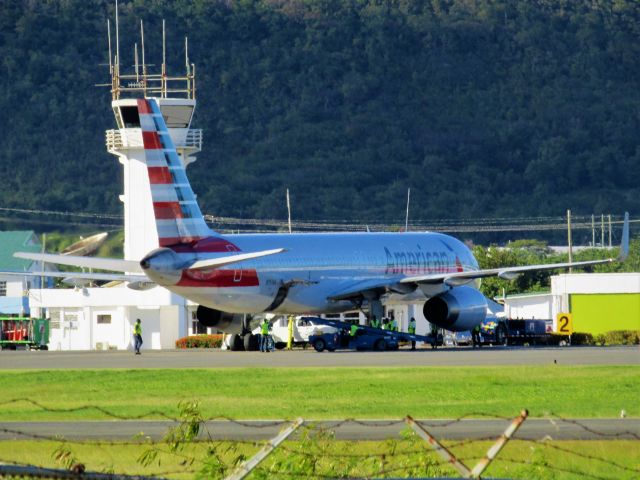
[178,217]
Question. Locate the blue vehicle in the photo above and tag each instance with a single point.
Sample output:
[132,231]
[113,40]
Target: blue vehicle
[365,337]
[494,331]
[360,341]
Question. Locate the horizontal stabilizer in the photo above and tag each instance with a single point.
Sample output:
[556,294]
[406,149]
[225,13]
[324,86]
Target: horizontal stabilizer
[114,264]
[70,277]
[222,261]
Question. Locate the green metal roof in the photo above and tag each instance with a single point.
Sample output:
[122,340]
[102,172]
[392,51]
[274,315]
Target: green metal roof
[17,241]
[525,295]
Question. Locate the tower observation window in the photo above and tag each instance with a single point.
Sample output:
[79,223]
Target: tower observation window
[130,117]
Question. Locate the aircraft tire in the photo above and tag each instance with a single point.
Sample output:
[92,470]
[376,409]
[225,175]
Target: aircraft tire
[319,345]
[251,342]
[380,345]
[235,343]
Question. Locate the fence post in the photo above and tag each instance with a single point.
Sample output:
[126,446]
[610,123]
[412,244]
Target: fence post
[482,465]
[438,447]
[246,468]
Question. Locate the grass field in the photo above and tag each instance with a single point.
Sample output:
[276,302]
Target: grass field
[425,392]
[314,393]
[618,460]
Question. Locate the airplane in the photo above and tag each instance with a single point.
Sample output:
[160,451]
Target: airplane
[301,273]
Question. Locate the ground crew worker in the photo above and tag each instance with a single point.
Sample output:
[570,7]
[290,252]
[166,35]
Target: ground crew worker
[353,330]
[434,335]
[393,325]
[475,336]
[41,329]
[137,336]
[264,336]
[412,330]
[375,323]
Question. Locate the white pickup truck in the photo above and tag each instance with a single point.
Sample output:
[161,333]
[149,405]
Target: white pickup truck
[302,329]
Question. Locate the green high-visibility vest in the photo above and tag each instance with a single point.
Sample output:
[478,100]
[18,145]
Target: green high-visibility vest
[354,329]
[412,327]
[137,329]
[264,328]
[393,326]
[375,323]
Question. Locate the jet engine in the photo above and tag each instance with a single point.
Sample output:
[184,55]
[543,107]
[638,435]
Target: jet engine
[459,309]
[226,322]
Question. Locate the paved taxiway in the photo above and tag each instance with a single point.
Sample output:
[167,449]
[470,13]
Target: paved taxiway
[473,429]
[309,358]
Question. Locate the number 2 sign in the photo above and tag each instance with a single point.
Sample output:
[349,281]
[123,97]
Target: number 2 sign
[564,323]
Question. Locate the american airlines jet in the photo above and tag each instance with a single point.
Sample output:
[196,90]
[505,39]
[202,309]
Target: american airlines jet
[292,273]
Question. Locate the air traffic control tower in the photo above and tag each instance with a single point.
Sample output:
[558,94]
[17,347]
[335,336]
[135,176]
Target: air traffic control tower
[103,318]
[176,98]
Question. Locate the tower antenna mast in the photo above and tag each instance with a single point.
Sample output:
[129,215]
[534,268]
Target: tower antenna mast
[116,68]
[109,40]
[144,65]
[135,58]
[164,62]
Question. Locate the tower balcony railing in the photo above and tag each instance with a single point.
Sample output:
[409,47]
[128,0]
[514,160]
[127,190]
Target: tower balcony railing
[187,139]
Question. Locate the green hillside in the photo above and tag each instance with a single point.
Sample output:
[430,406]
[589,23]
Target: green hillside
[484,108]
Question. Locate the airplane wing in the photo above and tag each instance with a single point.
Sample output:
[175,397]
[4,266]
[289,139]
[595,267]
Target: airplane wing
[371,287]
[114,264]
[110,277]
[454,279]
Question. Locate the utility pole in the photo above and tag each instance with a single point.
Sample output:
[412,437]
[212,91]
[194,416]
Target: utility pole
[406,219]
[593,231]
[602,230]
[609,230]
[569,239]
[44,249]
[289,210]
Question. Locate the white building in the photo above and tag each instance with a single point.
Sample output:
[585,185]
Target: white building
[103,318]
[529,305]
[599,302]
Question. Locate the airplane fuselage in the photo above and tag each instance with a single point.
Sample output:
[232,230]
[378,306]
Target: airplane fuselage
[313,268]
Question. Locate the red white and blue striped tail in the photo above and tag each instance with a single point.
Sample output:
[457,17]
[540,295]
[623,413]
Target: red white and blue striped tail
[178,217]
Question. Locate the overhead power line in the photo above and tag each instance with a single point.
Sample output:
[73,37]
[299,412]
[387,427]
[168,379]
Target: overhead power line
[447,225]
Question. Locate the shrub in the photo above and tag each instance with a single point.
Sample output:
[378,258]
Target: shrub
[555,339]
[200,341]
[579,338]
[615,337]
[619,337]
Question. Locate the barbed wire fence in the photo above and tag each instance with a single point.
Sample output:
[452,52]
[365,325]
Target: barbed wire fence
[310,449]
